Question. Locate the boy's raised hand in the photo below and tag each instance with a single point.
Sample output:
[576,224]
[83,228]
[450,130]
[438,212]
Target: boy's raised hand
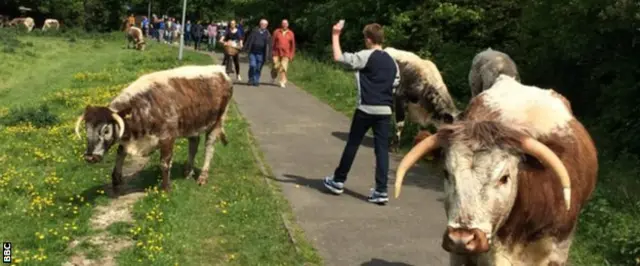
[337,28]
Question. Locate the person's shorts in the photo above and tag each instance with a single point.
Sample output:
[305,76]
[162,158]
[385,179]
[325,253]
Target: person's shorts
[281,63]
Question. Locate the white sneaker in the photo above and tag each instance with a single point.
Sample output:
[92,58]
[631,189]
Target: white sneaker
[282,84]
[239,78]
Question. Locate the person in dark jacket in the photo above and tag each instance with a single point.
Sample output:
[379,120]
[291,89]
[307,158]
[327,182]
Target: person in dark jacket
[197,30]
[377,74]
[258,45]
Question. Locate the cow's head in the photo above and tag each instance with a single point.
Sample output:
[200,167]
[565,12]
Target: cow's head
[104,128]
[481,163]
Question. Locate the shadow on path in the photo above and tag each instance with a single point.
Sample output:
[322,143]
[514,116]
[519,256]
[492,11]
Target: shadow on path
[317,184]
[381,262]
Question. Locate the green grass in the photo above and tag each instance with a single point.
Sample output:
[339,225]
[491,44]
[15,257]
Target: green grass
[49,193]
[609,227]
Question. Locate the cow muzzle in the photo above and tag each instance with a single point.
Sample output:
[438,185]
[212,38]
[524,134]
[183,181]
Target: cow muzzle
[465,241]
[92,158]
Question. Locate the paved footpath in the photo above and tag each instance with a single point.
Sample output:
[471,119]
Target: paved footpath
[302,140]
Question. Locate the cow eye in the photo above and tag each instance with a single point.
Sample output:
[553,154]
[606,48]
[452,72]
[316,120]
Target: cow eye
[504,179]
[106,130]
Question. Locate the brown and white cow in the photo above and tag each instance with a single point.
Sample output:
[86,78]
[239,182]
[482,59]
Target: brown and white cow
[4,21]
[135,36]
[486,66]
[422,93]
[518,168]
[27,22]
[157,109]
[50,23]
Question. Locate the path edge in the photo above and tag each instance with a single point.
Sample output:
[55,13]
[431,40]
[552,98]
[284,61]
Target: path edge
[296,235]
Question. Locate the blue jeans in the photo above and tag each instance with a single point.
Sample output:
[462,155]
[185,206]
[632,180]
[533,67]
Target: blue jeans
[256,61]
[360,124]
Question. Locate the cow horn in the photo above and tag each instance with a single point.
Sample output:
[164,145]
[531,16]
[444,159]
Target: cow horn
[425,146]
[80,118]
[551,160]
[120,124]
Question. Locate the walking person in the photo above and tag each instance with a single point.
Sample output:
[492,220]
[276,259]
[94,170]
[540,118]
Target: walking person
[187,33]
[170,30]
[177,30]
[197,31]
[212,33]
[284,48]
[258,45]
[144,25]
[377,74]
[232,38]
[161,28]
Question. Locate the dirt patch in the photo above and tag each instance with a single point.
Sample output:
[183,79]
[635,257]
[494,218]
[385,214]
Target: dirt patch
[118,210]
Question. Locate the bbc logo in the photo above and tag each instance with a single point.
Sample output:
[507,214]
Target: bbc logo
[6,252]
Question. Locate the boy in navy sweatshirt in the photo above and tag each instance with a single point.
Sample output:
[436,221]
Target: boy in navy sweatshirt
[376,75]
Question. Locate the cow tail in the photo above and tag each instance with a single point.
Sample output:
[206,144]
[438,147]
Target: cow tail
[221,120]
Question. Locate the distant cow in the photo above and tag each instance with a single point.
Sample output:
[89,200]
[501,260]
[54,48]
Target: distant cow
[518,168]
[157,109]
[50,23]
[135,36]
[4,21]
[486,66]
[422,92]
[26,22]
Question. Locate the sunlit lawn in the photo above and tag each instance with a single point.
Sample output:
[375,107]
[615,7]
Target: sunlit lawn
[49,193]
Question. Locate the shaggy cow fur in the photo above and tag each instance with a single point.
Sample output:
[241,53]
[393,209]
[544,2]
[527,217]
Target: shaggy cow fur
[135,36]
[422,92]
[157,109]
[511,202]
[487,66]
[50,24]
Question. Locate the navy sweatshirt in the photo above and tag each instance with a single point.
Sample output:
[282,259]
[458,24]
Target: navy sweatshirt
[376,76]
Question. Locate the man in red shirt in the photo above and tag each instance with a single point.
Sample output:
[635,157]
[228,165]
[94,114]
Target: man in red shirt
[283,50]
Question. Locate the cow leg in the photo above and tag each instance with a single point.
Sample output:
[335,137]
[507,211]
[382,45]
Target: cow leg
[166,156]
[193,149]
[399,110]
[116,174]
[209,144]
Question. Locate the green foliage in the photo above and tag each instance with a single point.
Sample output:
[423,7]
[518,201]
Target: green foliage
[50,195]
[40,116]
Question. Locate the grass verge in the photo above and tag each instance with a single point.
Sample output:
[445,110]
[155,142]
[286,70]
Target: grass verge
[608,232]
[50,194]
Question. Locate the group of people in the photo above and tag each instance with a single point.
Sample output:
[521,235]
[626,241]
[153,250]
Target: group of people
[261,46]
[168,30]
[377,76]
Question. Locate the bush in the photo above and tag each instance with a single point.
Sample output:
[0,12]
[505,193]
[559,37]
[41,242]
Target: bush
[39,116]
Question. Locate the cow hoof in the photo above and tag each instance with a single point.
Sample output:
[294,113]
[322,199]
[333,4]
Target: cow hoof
[166,188]
[188,173]
[116,190]
[202,180]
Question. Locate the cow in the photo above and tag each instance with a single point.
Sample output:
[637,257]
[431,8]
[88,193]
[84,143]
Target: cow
[486,66]
[154,111]
[27,22]
[4,21]
[135,36]
[518,168]
[50,23]
[422,93]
